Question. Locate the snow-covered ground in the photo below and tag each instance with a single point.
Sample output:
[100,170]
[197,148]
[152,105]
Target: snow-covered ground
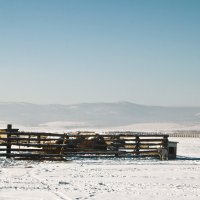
[118,179]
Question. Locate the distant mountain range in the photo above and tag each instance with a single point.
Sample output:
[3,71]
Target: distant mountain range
[90,115]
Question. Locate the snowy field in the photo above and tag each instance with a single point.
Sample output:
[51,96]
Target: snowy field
[118,179]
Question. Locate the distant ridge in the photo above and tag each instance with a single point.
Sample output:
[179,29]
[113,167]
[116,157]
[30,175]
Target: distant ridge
[94,114]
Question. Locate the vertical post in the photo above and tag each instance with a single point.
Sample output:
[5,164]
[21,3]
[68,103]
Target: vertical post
[39,137]
[165,141]
[29,137]
[137,145]
[9,130]
[117,137]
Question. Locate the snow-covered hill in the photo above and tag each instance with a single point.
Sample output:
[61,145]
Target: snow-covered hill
[95,115]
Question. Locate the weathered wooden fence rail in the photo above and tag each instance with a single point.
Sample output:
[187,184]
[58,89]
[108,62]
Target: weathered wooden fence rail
[33,145]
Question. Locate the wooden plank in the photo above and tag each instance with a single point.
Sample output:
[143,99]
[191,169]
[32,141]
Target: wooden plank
[106,138]
[74,149]
[109,152]
[46,145]
[121,135]
[139,143]
[39,145]
[3,144]
[29,139]
[151,144]
[27,149]
[32,134]
[54,139]
[31,155]
[87,135]
[87,152]
[150,140]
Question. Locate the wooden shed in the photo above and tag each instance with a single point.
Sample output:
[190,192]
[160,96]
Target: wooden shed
[172,149]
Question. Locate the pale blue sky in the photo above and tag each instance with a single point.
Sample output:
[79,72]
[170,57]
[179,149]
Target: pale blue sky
[72,51]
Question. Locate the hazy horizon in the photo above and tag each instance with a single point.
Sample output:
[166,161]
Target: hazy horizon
[111,102]
[121,115]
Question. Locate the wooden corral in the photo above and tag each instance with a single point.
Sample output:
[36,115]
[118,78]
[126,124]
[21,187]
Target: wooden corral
[53,146]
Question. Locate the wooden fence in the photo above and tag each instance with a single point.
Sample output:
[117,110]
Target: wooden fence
[53,146]
[185,134]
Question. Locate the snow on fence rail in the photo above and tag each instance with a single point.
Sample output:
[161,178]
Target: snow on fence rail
[33,145]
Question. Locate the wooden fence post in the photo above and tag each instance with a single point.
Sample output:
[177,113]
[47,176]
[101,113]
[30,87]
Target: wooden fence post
[137,145]
[9,130]
[165,141]
[39,137]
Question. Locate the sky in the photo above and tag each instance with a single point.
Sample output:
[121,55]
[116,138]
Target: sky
[75,51]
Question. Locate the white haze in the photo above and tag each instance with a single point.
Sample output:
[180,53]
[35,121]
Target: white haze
[99,116]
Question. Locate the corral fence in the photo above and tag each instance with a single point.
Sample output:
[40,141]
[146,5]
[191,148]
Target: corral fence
[186,134]
[53,146]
